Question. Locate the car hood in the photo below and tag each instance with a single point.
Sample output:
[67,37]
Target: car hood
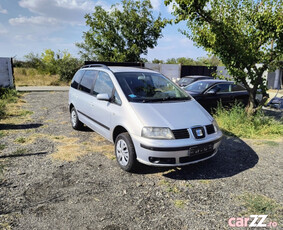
[192,93]
[175,115]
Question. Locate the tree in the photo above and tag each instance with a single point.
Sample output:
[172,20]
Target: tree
[247,36]
[32,61]
[121,35]
[157,61]
[48,62]
[67,65]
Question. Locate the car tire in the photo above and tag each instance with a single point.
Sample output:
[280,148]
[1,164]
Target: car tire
[76,123]
[125,152]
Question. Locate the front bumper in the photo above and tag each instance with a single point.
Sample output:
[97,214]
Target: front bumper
[176,152]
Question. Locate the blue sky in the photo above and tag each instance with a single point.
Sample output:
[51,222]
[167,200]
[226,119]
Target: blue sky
[35,25]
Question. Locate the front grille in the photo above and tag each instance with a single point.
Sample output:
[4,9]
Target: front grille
[210,129]
[181,133]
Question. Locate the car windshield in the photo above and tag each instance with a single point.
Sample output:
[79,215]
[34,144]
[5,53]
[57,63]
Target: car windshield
[186,81]
[149,87]
[198,86]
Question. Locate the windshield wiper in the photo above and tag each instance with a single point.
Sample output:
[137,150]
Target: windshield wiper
[175,98]
[165,99]
[150,100]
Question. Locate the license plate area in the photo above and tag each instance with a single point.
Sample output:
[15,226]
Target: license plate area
[200,149]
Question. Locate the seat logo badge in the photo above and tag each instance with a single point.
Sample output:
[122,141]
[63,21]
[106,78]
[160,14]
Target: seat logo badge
[199,132]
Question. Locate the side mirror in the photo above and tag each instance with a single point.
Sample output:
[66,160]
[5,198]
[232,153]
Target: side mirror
[103,97]
[211,92]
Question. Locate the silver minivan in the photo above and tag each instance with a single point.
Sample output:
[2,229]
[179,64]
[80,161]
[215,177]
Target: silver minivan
[149,118]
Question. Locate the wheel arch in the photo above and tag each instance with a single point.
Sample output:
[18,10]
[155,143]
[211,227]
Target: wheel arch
[117,130]
[70,107]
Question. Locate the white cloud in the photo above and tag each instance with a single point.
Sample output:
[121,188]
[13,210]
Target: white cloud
[34,20]
[3,30]
[3,11]
[156,4]
[68,11]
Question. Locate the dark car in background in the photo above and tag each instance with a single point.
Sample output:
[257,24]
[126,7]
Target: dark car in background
[210,92]
[184,81]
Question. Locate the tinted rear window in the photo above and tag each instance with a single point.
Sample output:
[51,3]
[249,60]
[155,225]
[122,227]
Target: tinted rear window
[77,78]
[87,81]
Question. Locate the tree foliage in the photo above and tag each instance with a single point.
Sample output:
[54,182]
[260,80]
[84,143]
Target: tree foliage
[121,35]
[201,61]
[242,33]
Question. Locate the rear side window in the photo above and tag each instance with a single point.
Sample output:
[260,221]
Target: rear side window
[103,84]
[236,88]
[87,81]
[77,78]
[222,88]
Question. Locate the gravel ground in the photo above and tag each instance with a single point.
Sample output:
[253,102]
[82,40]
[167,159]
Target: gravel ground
[58,178]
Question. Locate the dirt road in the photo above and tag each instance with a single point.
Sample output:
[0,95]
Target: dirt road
[58,178]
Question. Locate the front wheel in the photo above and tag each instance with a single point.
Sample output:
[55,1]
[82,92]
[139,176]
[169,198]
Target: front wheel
[125,152]
[76,123]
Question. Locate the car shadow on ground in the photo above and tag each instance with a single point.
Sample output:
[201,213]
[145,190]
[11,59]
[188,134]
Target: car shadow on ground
[234,156]
[21,126]
[24,155]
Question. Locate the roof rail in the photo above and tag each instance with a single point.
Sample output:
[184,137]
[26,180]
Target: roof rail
[95,65]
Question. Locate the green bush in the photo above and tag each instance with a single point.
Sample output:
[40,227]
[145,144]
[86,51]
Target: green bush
[67,68]
[235,121]
[51,63]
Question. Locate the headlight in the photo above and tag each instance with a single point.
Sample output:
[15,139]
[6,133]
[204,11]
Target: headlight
[216,127]
[157,133]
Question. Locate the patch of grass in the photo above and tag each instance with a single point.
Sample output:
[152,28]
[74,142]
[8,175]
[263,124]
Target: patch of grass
[236,122]
[170,187]
[256,204]
[7,96]
[20,151]
[180,203]
[32,77]
[271,143]
[24,113]
[2,134]
[2,165]
[2,147]
[21,140]
[205,181]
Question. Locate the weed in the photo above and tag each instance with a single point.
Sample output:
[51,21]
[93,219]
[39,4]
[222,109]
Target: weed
[25,113]
[2,147]
[271,143]
[33,77]
[2,134]
[259,204]
[1,170]
[20,151]
[21,140]
[7,96]
[170,187]
[180,203]
[205,181]
[236,122]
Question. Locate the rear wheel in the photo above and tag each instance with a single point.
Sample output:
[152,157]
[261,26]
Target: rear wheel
[125,152]
[76,123]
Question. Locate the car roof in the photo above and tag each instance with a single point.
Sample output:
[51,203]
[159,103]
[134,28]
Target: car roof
[119,69]
[215,81]
[196,76]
